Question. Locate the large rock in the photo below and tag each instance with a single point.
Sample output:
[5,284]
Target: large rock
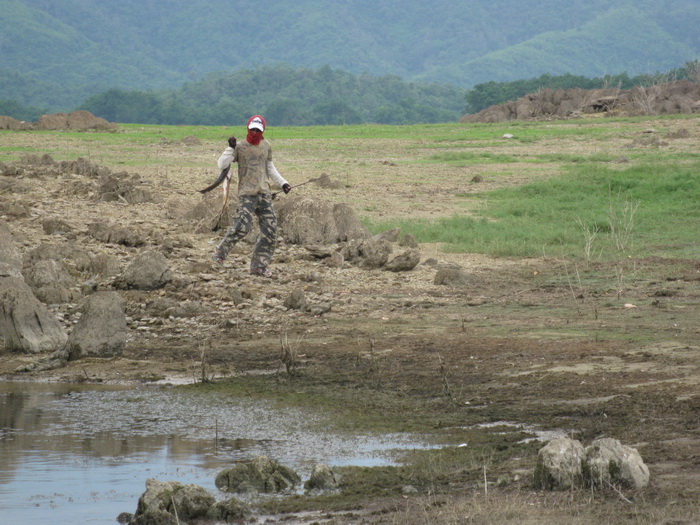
[563,464]
[71,256]
[8,250]
[169,502]
[229,511]
[560,465]
[322,478]
[50,282]
[101,331]
[609,462]
[367,253]
[262,475]
[309,221]
[25,323]
[148,271]
[404,262]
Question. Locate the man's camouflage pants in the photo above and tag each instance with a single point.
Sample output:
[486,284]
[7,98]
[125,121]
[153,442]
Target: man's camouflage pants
[249,205]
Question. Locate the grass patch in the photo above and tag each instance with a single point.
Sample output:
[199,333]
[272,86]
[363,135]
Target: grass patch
[650,209]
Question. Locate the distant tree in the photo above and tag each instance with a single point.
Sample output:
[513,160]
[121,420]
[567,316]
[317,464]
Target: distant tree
[117,105]
[16,110]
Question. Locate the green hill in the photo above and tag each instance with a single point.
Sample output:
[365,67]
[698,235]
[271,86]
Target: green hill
[57,54]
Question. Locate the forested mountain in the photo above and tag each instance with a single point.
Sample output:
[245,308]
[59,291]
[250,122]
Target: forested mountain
[286,96]
[56,54]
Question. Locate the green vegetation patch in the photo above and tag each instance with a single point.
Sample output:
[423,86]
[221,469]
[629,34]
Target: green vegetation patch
[592,210]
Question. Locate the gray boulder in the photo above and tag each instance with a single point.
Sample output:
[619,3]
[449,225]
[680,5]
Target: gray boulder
[609,462]
[25,323]
[262,475]
[404,262]
[228,511]
[559,465]
[296,300]
[367,253]
[148,271]
[101,331]
[171,502]
[9,253]
[50,282]
[322,478]
[309,221]
[104,265]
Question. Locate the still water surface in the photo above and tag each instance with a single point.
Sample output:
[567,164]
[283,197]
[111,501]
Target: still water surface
[82,453]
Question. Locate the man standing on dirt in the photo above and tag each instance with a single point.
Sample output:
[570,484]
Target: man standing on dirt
[255,172]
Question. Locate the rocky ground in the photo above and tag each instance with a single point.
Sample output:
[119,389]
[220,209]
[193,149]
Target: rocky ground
[515,340]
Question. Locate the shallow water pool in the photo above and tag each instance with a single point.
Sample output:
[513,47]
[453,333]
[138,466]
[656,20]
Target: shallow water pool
[82,453]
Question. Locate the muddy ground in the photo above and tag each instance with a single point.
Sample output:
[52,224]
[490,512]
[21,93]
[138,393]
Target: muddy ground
[536,344]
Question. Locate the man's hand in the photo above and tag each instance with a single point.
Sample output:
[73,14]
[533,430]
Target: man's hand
[286,188]
[232,142]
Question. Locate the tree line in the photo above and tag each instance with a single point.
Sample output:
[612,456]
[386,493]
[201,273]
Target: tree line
[289,97]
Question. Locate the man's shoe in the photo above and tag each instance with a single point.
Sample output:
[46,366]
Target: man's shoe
[218,258]
[262,272]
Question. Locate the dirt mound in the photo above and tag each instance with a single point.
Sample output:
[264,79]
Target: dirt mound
[12,123]
[549,104]
[76,120]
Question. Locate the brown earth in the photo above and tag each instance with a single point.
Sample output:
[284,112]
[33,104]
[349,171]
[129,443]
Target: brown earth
[527,343]
[80,120]
[668,98]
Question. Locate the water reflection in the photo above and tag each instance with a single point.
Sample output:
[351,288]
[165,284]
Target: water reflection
[82,453]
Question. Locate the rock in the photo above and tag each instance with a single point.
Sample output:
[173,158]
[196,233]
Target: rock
[50,282]
[55,226]
[309,221]
[123,188]
[336,260]
[104,265]
[262,474]
[228,511]
[609,462]
[148,271]
[563,464]
[25,323]
[404,262]
[70,255]
[109,232]
[389,235]
[367,253]
[8,250]
[296,300]
[322,478]
[171,502]
[320,251]
[319,309]
[559,465]
[101,331]
[454,277]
